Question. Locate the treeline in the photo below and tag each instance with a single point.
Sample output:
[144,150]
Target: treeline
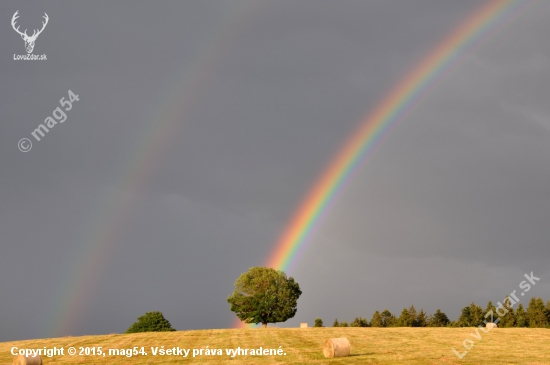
[537,315]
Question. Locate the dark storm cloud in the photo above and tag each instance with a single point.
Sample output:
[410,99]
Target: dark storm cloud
[455,201]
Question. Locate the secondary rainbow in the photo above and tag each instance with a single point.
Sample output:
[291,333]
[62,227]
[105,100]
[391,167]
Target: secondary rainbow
[78,283]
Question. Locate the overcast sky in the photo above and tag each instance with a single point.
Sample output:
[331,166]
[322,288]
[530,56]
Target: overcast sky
[202,124]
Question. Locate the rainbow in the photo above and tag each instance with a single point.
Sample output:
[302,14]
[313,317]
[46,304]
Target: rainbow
[78,282]
[477,29]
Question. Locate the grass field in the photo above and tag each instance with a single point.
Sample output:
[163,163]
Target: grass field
[304,346]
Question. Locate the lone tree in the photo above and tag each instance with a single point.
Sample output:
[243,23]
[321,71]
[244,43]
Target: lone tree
[264,295]
[151,322]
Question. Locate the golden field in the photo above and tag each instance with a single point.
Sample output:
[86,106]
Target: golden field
[304,346]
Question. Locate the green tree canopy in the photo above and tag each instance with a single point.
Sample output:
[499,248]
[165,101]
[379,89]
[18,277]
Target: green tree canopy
[472,316]
[376,320]
[359,322]
[490,308]
[318,322]
[151,322]
[264,295]
[477,316]
[388,319]
[421,319]
[521,316]
[465,318]
[537,313]
[509,319]
[404,319]
[439,319]
[412,316]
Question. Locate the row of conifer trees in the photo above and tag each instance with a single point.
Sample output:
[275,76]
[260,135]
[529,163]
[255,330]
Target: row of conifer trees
[506,314]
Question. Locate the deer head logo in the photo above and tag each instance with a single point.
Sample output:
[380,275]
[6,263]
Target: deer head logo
[29,41]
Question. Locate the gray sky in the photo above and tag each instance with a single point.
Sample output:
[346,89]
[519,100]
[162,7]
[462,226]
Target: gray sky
[201,126]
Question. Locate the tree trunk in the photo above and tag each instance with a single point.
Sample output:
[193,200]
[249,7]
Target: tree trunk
[264,325]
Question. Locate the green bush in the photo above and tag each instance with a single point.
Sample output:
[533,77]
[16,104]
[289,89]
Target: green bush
[318,322]
[151,322]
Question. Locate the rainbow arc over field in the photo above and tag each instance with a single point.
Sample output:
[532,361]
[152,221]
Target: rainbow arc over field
[479,27]
[79,281]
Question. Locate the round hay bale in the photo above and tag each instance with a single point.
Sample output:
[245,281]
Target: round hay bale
[22,360]
[491,325]
[336,347]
